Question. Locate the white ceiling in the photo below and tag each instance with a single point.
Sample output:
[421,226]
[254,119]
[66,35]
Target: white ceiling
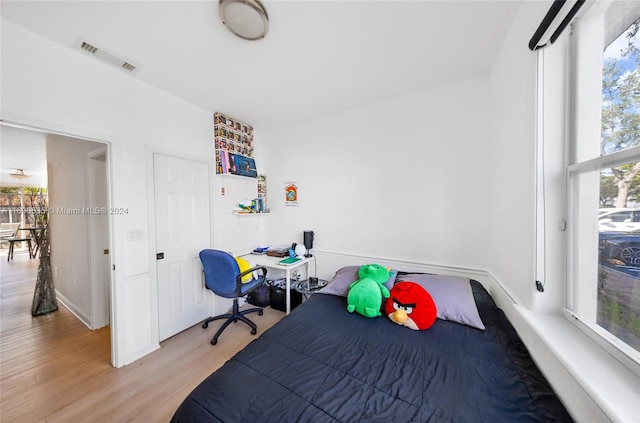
[319,57]
[26,150]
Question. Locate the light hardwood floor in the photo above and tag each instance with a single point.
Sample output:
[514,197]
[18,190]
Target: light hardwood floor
[54,369]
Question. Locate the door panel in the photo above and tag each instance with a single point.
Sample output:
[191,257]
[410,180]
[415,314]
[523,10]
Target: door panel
[100,266]
[182,230]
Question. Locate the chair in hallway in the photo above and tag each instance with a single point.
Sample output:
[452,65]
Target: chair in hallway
[223,276]
[7,231]
[20,236]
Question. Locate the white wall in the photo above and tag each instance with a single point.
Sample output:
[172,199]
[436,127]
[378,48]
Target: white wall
[511,248]
[404,178]
[47,85]
[235,233]
[69,230]
[512,148]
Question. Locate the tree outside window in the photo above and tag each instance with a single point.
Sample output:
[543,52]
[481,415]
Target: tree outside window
[618,307]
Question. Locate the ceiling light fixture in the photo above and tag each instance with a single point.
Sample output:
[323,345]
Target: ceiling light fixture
[247,19]
[19,174]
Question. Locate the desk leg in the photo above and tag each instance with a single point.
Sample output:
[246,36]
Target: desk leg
[288,294]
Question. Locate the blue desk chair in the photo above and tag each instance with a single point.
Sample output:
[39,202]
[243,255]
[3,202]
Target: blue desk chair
[222,276]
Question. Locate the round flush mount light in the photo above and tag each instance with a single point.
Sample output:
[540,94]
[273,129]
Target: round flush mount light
[247,19]
[19,174]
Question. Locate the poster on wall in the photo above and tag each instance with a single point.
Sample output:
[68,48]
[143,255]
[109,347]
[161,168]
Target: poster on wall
[291,194]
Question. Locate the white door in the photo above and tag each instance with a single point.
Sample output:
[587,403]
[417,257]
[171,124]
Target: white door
[182,231]
[99,238]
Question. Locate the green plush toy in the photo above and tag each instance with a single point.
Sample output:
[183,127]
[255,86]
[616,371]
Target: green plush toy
[365,294]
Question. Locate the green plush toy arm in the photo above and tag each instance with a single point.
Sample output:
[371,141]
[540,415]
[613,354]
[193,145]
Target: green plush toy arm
[385,291]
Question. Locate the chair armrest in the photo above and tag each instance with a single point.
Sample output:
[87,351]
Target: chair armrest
[263,269]
[246,272]
[263,276]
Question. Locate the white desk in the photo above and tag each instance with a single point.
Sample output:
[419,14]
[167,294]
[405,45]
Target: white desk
[272,263]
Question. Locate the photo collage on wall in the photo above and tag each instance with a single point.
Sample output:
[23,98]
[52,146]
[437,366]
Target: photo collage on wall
[234,146]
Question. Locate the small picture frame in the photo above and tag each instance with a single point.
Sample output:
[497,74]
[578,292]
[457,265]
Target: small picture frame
[291,194]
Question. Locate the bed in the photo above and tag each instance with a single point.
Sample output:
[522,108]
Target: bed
[323,364]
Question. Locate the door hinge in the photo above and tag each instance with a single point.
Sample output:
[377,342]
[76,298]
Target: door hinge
[159,256]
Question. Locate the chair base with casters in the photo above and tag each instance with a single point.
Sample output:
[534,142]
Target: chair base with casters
[222,275]
[235,315]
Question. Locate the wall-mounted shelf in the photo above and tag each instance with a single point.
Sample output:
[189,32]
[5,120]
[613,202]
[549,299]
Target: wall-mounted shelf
[237,213]
[233,176]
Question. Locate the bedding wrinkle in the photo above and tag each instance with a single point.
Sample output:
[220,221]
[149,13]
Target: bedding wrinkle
[303,412]
[356,362]
[323,364]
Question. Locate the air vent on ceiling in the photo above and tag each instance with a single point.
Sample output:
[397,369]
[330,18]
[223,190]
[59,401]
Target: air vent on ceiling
[88,47]
[106,56]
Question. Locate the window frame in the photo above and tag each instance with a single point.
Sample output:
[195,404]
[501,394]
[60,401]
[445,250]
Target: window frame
[575,167]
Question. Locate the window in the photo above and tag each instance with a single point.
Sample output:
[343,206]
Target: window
[604,174]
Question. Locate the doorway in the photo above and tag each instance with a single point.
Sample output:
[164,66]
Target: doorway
[75,171]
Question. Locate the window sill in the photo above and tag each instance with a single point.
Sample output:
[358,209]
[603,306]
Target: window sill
[612,387]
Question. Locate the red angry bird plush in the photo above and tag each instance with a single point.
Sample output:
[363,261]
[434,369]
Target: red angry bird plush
[411,305]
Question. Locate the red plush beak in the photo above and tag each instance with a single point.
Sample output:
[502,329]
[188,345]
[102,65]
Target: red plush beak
[400,316]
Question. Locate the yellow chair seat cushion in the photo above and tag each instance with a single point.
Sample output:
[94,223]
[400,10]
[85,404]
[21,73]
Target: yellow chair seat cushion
[244,265]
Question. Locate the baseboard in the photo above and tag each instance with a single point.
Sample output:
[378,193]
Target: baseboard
[330,261]
[75,310]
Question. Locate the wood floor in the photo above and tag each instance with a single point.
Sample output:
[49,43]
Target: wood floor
[54,369]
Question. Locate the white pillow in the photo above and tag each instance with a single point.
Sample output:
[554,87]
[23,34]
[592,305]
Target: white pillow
[453,297]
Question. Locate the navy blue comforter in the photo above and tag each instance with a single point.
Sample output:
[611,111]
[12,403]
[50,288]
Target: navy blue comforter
[323,364]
